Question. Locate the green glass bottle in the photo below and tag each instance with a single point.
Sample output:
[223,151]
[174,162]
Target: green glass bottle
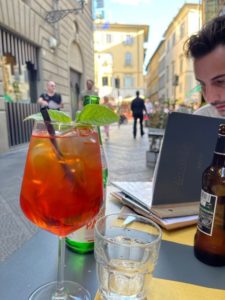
[82,240]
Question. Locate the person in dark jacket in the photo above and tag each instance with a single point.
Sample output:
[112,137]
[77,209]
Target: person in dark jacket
[138,107]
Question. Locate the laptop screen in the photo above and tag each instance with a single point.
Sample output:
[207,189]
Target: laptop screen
[187,149]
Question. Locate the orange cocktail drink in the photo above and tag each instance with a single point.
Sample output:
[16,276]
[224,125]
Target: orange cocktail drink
[62,184]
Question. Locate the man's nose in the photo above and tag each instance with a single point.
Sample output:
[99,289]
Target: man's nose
[211,94]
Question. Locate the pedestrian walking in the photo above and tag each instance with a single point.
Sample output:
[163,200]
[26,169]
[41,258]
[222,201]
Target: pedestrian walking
[51,99]
[138,107]
[106,127]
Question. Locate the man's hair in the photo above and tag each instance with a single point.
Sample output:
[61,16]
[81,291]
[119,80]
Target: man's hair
[137,93]
[207,39]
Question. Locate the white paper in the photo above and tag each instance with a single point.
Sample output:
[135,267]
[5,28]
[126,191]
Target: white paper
[141,191]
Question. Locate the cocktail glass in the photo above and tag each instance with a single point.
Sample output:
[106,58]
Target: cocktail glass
[62,190]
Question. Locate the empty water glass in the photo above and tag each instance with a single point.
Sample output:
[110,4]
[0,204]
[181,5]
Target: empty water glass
[126,252]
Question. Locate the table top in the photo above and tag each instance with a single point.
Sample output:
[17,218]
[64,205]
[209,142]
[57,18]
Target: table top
[178,274]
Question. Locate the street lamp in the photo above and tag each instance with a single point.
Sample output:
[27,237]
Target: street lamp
[58,14]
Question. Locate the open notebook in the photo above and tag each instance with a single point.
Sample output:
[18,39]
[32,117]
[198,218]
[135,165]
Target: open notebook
[129,195]
[187,149]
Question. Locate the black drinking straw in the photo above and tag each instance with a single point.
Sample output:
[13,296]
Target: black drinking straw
[51,131]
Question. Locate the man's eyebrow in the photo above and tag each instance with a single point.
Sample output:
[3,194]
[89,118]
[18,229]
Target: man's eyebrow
[218,76]
[214,78]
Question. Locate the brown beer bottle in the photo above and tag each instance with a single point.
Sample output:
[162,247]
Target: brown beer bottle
[209,243]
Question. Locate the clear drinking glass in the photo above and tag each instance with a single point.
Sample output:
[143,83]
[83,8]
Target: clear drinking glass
[62,190]
[126,252]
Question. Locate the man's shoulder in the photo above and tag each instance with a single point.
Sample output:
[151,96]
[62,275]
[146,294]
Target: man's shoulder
[43,95]
[58,95]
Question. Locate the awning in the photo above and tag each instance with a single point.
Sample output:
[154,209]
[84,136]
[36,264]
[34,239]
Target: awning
[22,50]
[196,89]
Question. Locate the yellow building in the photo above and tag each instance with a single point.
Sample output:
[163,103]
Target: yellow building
[119,58]
[178,78]
[155,74]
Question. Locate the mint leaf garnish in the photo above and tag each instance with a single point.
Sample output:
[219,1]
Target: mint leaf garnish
[91,114]
[55,115]
[96,114]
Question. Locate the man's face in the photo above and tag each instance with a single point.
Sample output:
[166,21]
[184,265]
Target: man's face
[90,84]
[51,87]
[210,72]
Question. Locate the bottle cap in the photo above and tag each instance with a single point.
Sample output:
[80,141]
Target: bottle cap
[222,129]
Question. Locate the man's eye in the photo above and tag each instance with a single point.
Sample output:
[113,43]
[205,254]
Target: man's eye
[220,82]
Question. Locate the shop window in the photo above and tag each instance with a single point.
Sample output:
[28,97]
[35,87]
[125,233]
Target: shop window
[19,82]
[18,63]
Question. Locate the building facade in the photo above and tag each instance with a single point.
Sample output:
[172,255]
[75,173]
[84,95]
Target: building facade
[176,79]
[119,58]
[34,50]
[155,75]
[211,9]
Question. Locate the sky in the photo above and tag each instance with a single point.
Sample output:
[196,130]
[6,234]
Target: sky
[156,13]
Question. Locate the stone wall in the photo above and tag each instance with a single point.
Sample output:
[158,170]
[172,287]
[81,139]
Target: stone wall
[74,50]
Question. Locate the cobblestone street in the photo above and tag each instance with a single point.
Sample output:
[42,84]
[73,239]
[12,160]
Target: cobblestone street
[126,161]
[127,156]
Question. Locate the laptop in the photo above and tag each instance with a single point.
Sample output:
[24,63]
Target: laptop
[187,149]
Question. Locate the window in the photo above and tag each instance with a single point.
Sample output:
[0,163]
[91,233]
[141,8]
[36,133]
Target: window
[162,65]
[19,72]
[129,40]
[167,73]
[181,64]
[105,81]
[172,69]
[162,82]
[128,81]
[174,39]
[181,30]
[167,94]
[128,59]
[168,45]
[16,80]
[108,38]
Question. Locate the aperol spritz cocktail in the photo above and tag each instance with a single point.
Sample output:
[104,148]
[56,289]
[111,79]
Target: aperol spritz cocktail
[62,184]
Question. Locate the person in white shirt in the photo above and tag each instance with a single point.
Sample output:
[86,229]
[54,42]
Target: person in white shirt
[207,48]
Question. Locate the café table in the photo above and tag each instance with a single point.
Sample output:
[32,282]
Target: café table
[178,274]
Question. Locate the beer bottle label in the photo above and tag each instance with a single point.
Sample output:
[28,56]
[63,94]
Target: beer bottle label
[207,212]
